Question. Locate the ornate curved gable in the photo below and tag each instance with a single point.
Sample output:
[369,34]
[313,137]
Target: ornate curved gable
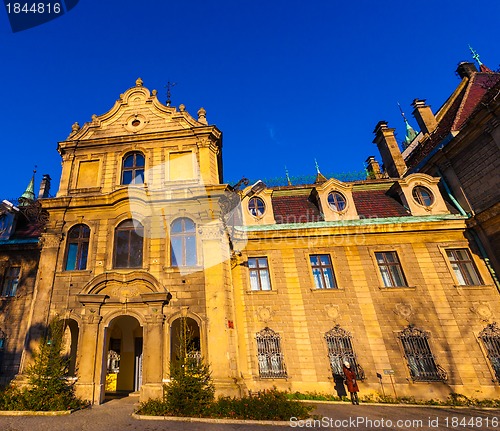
[137,111]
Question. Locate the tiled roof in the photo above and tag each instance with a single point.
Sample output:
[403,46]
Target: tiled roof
[376,204]
[299,205]
[295,206]
[457,113]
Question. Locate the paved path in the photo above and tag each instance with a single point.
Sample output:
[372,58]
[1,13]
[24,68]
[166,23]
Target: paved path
[115,415]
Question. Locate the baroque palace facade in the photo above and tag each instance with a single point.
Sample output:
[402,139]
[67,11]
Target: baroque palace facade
[278,285]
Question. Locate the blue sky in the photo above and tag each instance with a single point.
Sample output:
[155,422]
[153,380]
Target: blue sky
[287,82]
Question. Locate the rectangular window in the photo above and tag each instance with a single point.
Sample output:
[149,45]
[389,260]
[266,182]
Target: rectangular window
[270,357]
[463,267]
[322,271]
[421,362]
[259,273]
[390,269]
[11,281]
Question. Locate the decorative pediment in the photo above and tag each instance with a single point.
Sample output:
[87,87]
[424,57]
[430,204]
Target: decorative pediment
[124,286]
[136,111]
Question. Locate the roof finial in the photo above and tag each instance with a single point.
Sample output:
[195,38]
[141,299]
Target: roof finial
[169,93]
[410,132]
[320,178]
[317,166]
[287,177]
[475,56]
[482,67]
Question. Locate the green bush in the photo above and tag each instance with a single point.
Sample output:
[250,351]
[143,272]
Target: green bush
[265,405]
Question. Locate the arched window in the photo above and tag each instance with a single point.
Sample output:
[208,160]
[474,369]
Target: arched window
[133,168]
[77,248]
[490,337]
[270,357]
[340,349]
[129,236]
[183,242]
[421,362]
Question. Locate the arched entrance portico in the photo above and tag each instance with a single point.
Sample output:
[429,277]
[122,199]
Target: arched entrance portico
[123,357]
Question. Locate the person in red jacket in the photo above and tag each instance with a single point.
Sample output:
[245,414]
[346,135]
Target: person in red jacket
[352,384]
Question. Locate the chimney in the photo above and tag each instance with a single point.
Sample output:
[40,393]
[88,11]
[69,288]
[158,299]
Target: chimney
[394,164]
[44,187]
[424,116]
[373,168]
[466,69]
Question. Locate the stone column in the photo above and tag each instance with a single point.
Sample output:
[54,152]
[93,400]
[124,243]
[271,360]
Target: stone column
[221,354]
[153,360]
[90,384]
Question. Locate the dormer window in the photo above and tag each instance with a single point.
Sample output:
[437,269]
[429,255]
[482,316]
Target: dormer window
[423,196]
[256,207]
[133,169]
[337,201]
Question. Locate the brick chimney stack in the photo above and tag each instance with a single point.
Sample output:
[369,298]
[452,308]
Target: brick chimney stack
[424,116]
[466,69]
[394,163]
[373,168]
[44,187]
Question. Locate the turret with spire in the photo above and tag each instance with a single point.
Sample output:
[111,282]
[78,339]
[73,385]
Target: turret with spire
[28,196]
[410,132]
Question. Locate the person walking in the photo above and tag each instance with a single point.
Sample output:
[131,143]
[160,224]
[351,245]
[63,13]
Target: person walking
[352,384]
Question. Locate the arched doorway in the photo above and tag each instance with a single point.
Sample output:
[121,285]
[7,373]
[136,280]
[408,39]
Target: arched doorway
[70,344]
[184,328]
[123,358]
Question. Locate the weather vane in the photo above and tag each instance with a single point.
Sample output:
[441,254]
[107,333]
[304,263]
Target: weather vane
[169,93]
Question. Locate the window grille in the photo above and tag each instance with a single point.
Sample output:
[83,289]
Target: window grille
[490,337]
[271,362]
[340,349]
[421,362]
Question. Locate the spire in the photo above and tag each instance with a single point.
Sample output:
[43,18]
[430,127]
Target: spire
[475,56]
[29,194]
[289,182]
[410,132]
[320,178]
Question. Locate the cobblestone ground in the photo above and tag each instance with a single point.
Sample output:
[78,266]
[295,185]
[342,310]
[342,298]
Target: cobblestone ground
[115,415]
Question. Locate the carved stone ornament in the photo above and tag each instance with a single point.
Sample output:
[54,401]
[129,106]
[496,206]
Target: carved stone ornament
[482,310]
[404,310]
[126,292]
[211,231]
[265,314]
[332,311]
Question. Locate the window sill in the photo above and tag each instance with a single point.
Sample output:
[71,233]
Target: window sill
[6,298]
[261,292]
[473,286]
[84,190]
[398,288]
[331,289]
[183,269]
[75,272]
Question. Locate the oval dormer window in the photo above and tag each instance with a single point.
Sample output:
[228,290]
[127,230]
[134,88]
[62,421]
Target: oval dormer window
[423,196]
[337,201]
[256,207]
